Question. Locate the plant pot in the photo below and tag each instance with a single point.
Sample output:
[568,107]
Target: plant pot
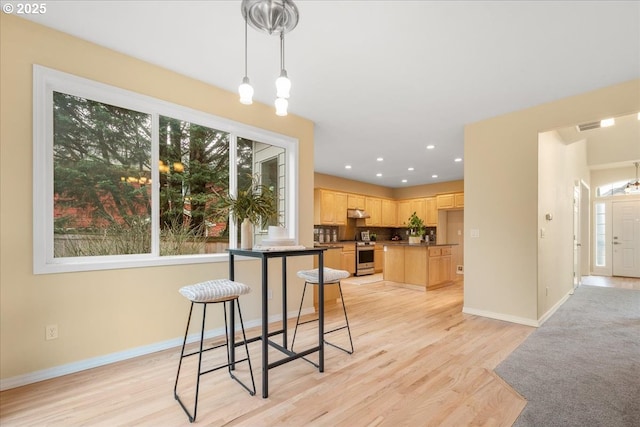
[414,240]
[246,234]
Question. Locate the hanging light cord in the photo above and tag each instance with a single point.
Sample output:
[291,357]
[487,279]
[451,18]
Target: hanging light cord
[282,50]
[245,46]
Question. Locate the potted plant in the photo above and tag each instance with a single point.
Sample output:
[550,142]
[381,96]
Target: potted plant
[252,205]
[416,228]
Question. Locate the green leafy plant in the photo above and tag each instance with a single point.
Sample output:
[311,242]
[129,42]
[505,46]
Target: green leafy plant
[415,225]
[256,202]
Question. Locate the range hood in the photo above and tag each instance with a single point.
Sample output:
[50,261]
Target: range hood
[357,213]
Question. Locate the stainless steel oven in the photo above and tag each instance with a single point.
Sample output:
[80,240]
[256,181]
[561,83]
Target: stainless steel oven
[365,252]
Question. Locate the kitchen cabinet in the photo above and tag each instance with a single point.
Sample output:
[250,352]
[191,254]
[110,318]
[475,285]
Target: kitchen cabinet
[431,214]
[373,206]
[332,259]
[422,265]
[389,213]
[418,206]
[403,213]
[329,207]
[355,201]
[415,259]
[348,258]
[450,201]
[439,267]
[394,263]
[378,259]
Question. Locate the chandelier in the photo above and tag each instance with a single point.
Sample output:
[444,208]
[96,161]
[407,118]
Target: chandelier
[633,187]
[274,17]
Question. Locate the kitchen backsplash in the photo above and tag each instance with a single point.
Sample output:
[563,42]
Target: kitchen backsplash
[328,234]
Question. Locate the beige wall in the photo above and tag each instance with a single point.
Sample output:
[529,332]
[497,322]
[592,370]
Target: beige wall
[501,198]
[427,190]
[104,312]
[331,182]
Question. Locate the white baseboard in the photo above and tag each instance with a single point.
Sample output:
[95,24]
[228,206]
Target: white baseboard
[501,316]
[516,319]
[94,362]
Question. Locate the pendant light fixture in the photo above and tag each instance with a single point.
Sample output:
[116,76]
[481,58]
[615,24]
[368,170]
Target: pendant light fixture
[275,17]
[283,84]
[633,187]
[245,89]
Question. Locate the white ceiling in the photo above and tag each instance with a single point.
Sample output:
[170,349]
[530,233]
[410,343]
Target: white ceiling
[382,78]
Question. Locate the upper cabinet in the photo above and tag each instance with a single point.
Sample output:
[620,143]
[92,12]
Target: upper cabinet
[431,212]
[403,213]
[355,201]
[329,207]
[389,213]
[373,206]
[450,201]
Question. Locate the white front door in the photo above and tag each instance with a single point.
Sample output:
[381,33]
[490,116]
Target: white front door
[626,238]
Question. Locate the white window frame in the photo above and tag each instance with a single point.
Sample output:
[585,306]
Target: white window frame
[45,82]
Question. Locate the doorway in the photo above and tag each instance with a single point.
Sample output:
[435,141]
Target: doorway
[626,238]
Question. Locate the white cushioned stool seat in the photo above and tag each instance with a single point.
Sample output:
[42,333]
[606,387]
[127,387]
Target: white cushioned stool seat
[214,290]
[331,275]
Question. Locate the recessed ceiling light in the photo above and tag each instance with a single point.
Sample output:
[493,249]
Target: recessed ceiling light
[347,167]
[457,159]
[607,122]
[430,147]
[379,159]
[404,180]
[434,176]
[378,174]
[410,169]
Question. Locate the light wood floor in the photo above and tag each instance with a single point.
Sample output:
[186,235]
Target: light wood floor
[418,361]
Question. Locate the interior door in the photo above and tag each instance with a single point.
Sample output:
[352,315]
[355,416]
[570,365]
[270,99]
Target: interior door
[577,270]
[626,238]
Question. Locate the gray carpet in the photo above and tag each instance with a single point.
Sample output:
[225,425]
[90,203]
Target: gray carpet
[582,366]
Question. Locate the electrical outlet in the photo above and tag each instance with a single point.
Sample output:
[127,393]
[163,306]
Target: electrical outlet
[270,294]
[51,332]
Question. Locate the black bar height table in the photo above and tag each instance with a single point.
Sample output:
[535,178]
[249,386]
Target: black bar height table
[264,256]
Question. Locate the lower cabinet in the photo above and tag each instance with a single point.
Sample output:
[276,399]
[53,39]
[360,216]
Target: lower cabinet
[378,259]
[332,259]
[348,259]
[420,265]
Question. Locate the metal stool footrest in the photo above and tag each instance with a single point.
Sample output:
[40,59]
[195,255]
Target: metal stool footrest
[229,365]
[344,309]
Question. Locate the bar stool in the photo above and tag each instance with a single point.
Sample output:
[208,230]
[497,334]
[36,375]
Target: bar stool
[331,276]
[214,292]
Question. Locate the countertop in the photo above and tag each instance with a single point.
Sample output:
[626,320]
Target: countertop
[406,243]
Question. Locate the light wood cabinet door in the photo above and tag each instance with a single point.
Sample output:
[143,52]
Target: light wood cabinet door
[445,269]
[340,209]
[431,216]
[389,213]
[445,201]
[394,264]
[419,207]
[434,271]
[378,259]
[330,207]
[403,213]
[355,201]
[349,259]
[373,206]
[415,272]
[459,200]
[327,201]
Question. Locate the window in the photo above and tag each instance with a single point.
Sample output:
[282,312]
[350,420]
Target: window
[600,234]
[124,180]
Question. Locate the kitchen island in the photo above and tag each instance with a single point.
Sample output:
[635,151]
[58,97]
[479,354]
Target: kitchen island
[424,265]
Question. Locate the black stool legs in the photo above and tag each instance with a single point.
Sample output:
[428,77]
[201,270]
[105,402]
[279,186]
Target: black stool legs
[252,391]
[344,309]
